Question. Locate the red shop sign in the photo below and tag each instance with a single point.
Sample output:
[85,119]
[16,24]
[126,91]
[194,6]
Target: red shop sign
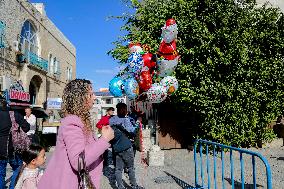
[19,95]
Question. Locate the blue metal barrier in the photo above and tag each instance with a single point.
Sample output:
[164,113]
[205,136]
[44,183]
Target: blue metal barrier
[199,144]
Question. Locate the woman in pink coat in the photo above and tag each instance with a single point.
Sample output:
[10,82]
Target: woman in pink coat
[75,135]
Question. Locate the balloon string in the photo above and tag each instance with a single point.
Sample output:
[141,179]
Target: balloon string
[144,93]
[141,142]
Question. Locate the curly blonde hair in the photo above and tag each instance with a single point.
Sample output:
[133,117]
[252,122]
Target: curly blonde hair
[74,99]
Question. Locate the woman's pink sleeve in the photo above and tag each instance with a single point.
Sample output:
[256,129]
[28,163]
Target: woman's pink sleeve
[75,142]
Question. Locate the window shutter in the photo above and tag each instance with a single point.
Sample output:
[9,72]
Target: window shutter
[58,67]
[54,65]
[50,64]
[67,74]
[70,73]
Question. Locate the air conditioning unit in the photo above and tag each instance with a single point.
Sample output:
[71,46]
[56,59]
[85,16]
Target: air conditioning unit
[15,46]
[5,83]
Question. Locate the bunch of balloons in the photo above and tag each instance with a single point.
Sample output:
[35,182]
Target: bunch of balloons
[143,68]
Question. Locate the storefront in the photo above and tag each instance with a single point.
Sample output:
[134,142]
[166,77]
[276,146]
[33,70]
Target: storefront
[53,108]
[18,99]
[16,96]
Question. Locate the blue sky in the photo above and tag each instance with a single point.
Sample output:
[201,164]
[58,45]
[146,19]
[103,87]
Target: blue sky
[86,25]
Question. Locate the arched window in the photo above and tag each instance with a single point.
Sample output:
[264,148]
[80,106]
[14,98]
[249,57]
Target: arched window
[28,38]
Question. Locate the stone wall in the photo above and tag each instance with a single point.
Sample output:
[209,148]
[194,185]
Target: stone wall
[274,3]
[51,41]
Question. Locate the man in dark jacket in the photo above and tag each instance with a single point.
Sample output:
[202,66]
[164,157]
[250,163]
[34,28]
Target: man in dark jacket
[122,146]
[7,154]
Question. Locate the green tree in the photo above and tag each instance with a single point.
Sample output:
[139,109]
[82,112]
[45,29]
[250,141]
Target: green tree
[231,69]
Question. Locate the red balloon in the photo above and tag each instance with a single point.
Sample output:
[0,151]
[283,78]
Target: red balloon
[168,50]
[147,58]
[170,21]
[145,81]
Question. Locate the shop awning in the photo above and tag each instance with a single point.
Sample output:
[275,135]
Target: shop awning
[37,111]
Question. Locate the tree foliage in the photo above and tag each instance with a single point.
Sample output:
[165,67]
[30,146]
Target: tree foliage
[231,69]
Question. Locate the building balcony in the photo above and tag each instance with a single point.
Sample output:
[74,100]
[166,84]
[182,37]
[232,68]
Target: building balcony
[37,61]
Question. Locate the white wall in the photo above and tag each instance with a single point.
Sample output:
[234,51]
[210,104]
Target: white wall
[274,3]
[99,110]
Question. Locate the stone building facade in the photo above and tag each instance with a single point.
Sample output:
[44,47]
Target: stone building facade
[34,51]
[105,100]
[273,3]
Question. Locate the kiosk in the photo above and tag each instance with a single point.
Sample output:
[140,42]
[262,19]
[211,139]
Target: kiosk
[51,125]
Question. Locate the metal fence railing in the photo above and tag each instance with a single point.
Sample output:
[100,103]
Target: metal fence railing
[37,61]
[206,175]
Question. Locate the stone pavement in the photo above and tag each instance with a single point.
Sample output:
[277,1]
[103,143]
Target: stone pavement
[174,175]
[149,177]
[178,169]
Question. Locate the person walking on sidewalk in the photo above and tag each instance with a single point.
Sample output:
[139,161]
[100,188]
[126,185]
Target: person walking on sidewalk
[7,152]
[122,146]
[76,136]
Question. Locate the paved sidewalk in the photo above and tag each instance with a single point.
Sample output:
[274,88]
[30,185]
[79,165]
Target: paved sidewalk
[171,176]
[149,177]
[178,170]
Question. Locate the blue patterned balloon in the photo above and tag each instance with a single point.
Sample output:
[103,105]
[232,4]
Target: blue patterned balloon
[135,63]
[131,88]
[115,86]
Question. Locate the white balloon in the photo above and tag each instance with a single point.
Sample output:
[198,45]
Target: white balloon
[169,33]
[170,83]
[167,67]
[156,93]
[136,48]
